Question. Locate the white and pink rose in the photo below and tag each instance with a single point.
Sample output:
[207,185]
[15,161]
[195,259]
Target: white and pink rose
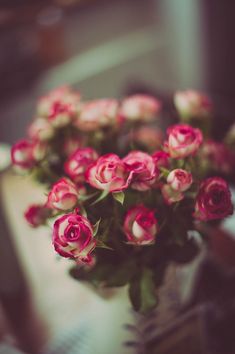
[98,114]
[64,195]
[180,180]
[109,173]
[78,163]
[142,170]
[25,154]
[36,215]
[140,107]
[183,140]
[192,104]
[140,225]
[73,237]
[60,106]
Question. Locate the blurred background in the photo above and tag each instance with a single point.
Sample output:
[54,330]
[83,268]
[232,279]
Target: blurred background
[109,48]
[104,48]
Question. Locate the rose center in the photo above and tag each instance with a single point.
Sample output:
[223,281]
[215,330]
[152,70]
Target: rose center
[58,108]
[217,197]
[73,233]
[144,220]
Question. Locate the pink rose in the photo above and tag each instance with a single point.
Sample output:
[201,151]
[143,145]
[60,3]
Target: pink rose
[161,159]
[140,225]
[140,108]
[108,173]
[40,129]
[25,154]
[64,195]
[183,140]
[170,195]
[149,137]
[73,237]
[79,162]
[191,103]
[60,106]
[36,214]
[213,200]
[97,114]
[142,170]
[180,180]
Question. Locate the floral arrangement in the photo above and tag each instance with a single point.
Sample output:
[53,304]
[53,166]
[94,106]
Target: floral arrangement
[124,197]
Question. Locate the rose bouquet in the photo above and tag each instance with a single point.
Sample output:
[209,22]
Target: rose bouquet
[124,197]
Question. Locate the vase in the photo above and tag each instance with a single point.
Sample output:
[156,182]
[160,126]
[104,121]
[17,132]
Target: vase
[114,327]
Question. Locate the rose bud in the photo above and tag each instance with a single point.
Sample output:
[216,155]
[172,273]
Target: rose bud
[192,104]
[170,195]
[77,164]
[183,140]
[97,114]
[40,129]
[149,137]
[140,225]
[142,170]
[140,108]
[73,237]
[25,154]
[64,195]
[60,106]
[180,180]
[36,215]
[213,200]
[161,159]
[108,173]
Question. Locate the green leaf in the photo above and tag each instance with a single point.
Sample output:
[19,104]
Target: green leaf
[83,211]
[79,273]
[121,275]
[134,294]
[101,197]
[119,197]
[164,172]
[84,198]
[95,275]
[181,163]
[101,244]
[142,291]
[105,274]
[96,227]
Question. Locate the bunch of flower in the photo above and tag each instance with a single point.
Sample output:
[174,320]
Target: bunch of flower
[124,197]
